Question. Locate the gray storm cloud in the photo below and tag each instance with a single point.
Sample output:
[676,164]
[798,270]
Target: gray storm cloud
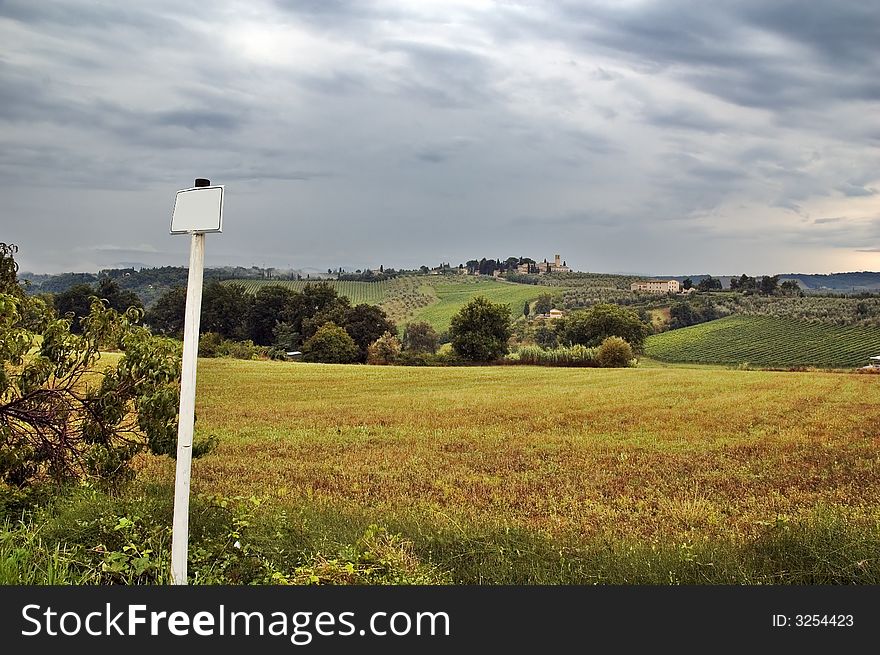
[652,137]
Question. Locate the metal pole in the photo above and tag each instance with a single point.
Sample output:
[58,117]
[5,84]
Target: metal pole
[180,532]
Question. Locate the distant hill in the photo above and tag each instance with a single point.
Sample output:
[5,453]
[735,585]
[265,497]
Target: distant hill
[843,282]
[147,283]
[853,282]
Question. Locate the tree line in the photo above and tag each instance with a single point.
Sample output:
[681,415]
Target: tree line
[766,285]
[280,318]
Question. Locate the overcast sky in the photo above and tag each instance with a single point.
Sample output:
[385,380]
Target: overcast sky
[670,137]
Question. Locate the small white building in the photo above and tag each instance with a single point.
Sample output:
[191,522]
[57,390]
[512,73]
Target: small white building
[656,286]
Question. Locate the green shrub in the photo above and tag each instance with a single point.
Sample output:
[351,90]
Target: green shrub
[330,344]
[212,344]
[384,350]
[209,344]
[614,352]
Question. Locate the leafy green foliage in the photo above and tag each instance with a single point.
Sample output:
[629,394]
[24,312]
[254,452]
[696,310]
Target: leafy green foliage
[684,313]
[385,350]
[332,345]
[225,309]
[709,283]
[167,316]
[420,337]
[480,330]
[592,326]
[270,305]
[544,303]
[91,538]
[365,324]
[64,418]
[614,352]
[76,302]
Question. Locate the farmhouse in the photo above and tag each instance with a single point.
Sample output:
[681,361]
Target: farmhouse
[551,315]
[656,286]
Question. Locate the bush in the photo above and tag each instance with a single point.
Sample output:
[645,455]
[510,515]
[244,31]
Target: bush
[383,350]
[212,344]
[209,344]
[591,327]
[562,356]
[614,352]
[420,336]
[330,344]
[91,538]
[409,358]
[65,418]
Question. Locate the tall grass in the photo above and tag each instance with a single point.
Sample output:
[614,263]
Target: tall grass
[313,543]
[575,355]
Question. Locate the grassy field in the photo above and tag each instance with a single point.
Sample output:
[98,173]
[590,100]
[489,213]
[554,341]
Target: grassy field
[659,455]
[427,298]
[453,295]
[767,341]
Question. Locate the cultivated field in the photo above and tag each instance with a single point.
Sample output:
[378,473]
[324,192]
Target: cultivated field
[663,456]
[767,341]
[372,293]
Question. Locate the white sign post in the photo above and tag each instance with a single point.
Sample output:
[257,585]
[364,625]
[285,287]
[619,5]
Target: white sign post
[196,211]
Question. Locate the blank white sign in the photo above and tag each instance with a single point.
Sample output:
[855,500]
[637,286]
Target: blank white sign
[199,209]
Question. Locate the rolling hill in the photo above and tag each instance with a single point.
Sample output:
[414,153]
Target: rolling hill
[434,299]
[767,341]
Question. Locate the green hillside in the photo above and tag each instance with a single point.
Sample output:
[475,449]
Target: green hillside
[453,295]
[767,341]
[434,299]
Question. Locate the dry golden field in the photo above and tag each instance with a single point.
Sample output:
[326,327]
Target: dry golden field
[688,454]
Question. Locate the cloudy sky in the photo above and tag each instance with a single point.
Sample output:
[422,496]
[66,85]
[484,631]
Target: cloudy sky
[667,137]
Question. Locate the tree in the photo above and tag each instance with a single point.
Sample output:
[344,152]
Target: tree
[384,350]
[544,304]
[74,304]
[687,283]
[682,314]
[769,284]
[420,337]
[545,336]
[166,317]
[64,418]
[744,284]
[526,309]
[592,326]
[315,298]
[480,330]
[790,288]
[330,344]
[270,305]
[614,352]
[366,323]
[709,283]
[9,271]
[225,309]
[116,297]
[337,311]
